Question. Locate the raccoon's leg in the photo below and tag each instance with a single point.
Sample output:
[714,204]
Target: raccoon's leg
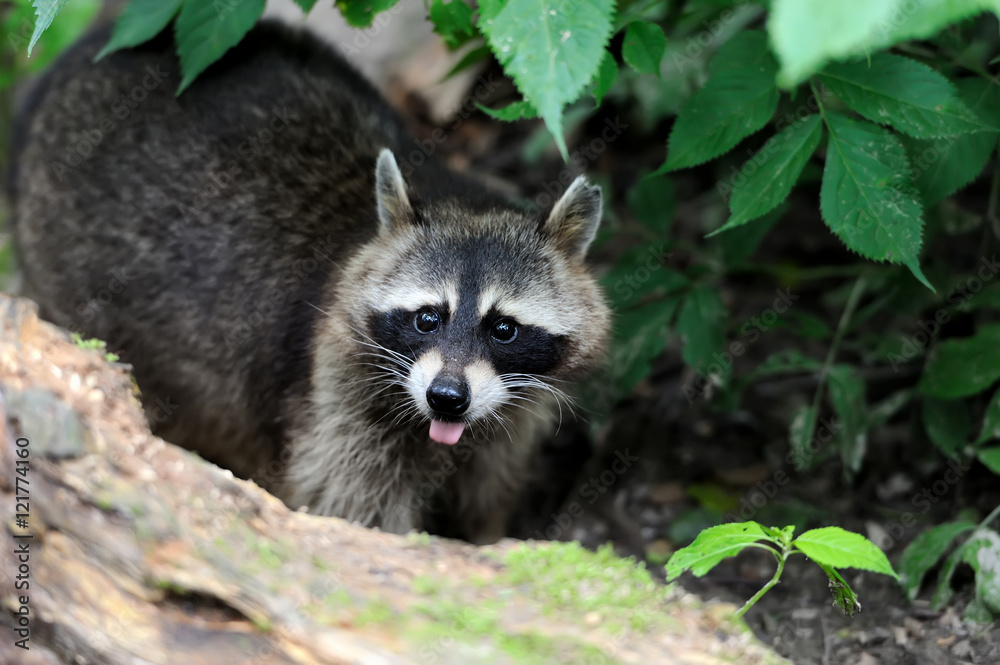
[340,473]
[484,488]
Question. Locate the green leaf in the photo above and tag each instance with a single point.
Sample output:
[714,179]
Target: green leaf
[511,112]
[206,30]
[982,552]
[551,48]
[924,553]
[640,335]
[990,457]
[991,421]
[306,5]
[639,272]
[453,21]
[738,99]
[962,367]
[701,325]
[880,413]
[906,94]
[834,547]
[805,324]
[776,168]
[808,33]
[607,72]
[945,165]
[943,593]
[643,47]
[712,546]
[800,434]
[45,11]
[843,595]
[948,424]
[475,55]
[361,13]
[866,198]
[653,202]
[847,393]
[740,243]
[977,612]
[919,20]
[140,21]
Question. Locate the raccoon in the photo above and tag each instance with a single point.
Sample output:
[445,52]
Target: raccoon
[386,348]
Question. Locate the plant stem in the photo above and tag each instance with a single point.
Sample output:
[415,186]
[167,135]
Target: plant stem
[989,518]
[767,587]
[838,336]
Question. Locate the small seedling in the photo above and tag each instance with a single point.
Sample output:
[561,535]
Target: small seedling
[94,345]
[830,547]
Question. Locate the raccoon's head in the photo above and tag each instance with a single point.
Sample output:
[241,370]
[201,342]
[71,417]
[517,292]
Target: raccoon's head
[472,310]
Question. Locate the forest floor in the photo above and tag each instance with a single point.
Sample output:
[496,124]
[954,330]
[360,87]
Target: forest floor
[688,462]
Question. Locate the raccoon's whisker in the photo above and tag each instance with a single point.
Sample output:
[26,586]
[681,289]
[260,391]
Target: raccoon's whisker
[525,382]
[411,411]
[401,361]
[405,408]
[369,356]
[501,421]
[390,370]
[318,309]
[558,393]
[516,380]
[372,343]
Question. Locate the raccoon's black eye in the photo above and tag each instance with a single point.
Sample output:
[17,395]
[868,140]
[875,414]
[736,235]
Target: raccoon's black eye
[504,331]
[426,321]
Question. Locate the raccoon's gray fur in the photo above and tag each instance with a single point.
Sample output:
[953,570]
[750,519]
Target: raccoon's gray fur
[294,309]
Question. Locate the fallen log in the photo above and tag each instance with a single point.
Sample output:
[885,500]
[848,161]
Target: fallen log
[127,549]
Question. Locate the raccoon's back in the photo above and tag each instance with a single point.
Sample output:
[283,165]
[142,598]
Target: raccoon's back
[277,141]
[195,233]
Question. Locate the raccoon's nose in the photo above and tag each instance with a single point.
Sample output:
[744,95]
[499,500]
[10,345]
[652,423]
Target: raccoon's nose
[448,396]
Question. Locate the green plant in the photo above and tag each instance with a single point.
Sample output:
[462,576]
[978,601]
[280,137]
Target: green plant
[94,345]
[980,550]
[830,548]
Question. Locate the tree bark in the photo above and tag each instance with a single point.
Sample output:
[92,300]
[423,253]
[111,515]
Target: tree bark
[127,549]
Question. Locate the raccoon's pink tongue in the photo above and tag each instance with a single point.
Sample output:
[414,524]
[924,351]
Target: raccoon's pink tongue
[446,432]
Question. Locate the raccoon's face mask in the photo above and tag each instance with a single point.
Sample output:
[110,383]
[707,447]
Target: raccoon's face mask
[477,313]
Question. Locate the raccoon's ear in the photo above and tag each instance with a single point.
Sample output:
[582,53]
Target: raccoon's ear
[390,192]
[574,220]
